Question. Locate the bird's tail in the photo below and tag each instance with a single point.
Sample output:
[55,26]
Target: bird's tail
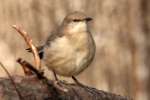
[40,50]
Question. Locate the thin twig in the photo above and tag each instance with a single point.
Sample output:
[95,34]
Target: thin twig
[28,40]
[14,84]
[40,75]
[31,68]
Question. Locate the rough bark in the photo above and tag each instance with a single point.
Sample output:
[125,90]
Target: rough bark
[34,89]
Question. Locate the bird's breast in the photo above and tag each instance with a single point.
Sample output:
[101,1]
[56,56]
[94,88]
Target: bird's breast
[67,55]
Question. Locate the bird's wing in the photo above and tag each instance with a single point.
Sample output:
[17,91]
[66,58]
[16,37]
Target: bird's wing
[55,34]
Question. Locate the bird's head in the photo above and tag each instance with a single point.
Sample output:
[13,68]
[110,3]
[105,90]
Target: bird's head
[76,22]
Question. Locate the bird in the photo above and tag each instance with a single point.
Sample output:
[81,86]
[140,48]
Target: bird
[69,49]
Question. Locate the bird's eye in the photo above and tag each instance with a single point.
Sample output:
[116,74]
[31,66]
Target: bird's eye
[76,20]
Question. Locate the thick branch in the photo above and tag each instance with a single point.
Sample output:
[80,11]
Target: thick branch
[32,89]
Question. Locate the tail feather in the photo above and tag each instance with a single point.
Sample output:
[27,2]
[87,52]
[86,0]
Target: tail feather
[39,49]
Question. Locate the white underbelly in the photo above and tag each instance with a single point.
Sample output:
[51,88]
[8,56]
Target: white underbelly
[64,58]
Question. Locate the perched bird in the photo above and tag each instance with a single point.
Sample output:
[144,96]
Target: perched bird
[71,48]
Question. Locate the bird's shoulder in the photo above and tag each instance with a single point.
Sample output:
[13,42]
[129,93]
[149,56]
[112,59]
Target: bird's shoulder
[54,35]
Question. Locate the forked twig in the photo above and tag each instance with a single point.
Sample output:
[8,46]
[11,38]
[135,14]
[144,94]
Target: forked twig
[28,40]
[11,79]
[40,75]
[25,64]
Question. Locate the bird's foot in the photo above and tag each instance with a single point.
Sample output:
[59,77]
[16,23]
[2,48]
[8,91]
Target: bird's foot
[58,85]
[77,82]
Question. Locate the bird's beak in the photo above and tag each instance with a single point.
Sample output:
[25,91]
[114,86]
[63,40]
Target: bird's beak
[88,19]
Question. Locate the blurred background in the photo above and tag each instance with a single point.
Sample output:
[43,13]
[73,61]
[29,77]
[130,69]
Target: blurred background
[121,29]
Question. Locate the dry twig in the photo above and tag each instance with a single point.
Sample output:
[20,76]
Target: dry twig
[28,40]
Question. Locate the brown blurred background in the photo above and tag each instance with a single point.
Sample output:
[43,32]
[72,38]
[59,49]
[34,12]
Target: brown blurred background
[121,29]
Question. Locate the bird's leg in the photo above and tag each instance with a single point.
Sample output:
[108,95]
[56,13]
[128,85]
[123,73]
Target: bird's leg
[77,82]
[57,83]
[56,78]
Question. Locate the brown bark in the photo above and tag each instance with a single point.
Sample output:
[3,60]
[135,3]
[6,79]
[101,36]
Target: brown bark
[33,89]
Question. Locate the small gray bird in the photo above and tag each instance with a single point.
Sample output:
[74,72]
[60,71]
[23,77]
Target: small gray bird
[71,48]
